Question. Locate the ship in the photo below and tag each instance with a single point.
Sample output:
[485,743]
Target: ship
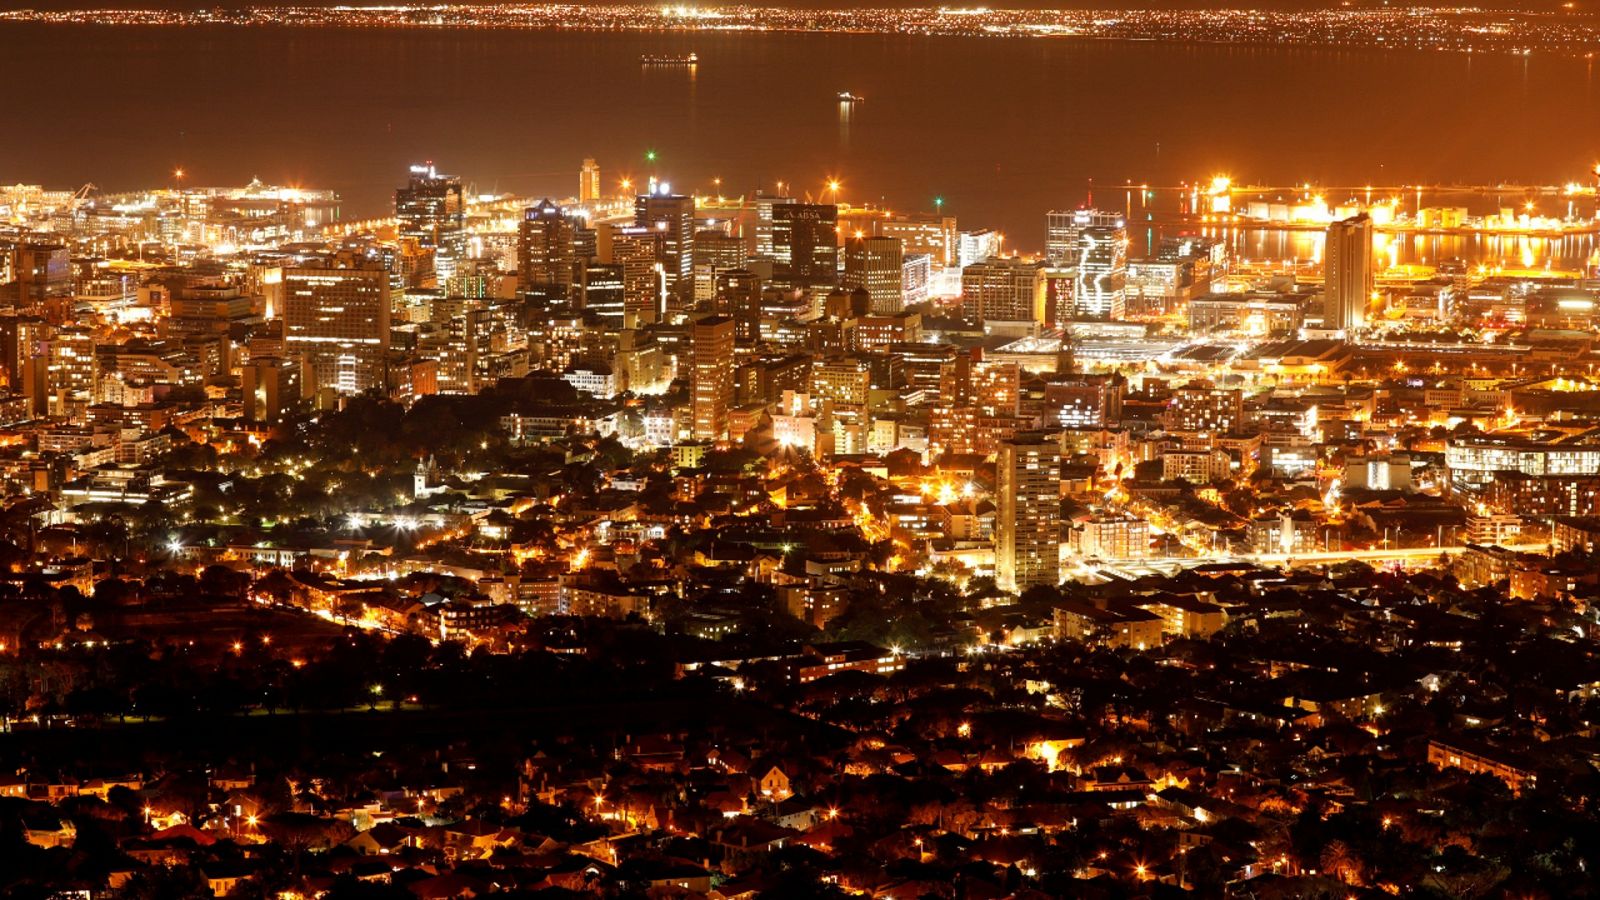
[676,59]
[847,97]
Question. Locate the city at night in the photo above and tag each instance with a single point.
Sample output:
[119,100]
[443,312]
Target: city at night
[486,450]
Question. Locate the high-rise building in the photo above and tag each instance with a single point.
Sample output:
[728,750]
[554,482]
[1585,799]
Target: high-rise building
[976,246]
[1202,409]
[432,212]
[916,278]
[638,251]
[336,320]
[24,362]
[603,294]
[765,204]
[712,382]
[589,182]
[1100,285]
[31,273]
[1003,290]
[271,387]
[935,235]
[715,252]
[805,244]
[738,294]
[1062,228]
[1347,267]
[672,216]
[1028,518]
[546,251]
[874,264]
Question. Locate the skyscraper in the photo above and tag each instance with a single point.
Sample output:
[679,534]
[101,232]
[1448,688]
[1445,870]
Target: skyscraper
[738,294]
[715,252]
[874,264]
[765,204]
[603,295]
[1100,286]
[712,378]
[1003,289]
[270,387]
[1028,521]
[1062,228]
[1347,267]
[546,251]
[672,216]
[805,244]
[336,319]
[31,274]
[589,182]
[638,251]
[432,212]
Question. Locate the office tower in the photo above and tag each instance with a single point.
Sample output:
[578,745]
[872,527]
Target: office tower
[765,204]
[22,359]
[1202,409]
[476,342]
[916,279]
[432,212]
[1003,290]
[644,282]
[72,365]
[546,252]
[934,235]
[589,182]
[845,380]
[1028,517]
[874,264]
[672,216]
[336,320]
[997,387]
[1348,275]
[715,252]
[585,241]
[738,295]
[602,294]
[977,246]
[1100,284]
[271,387]
[805,244]
[1062,228]
[31,274]
[878,334]
[1083,402]
[712,378]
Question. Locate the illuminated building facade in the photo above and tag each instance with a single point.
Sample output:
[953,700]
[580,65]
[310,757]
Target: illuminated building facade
[1028,512]
[711,383]
[336,319]
[1347,264]
[546,252]
[1100,281]
[1005,290]
[589,182]
[672,217]
[875,264]
[805,244]
[432,212]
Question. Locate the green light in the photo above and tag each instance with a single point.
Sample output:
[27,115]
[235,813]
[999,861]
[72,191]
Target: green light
[650,156]
[939,202]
